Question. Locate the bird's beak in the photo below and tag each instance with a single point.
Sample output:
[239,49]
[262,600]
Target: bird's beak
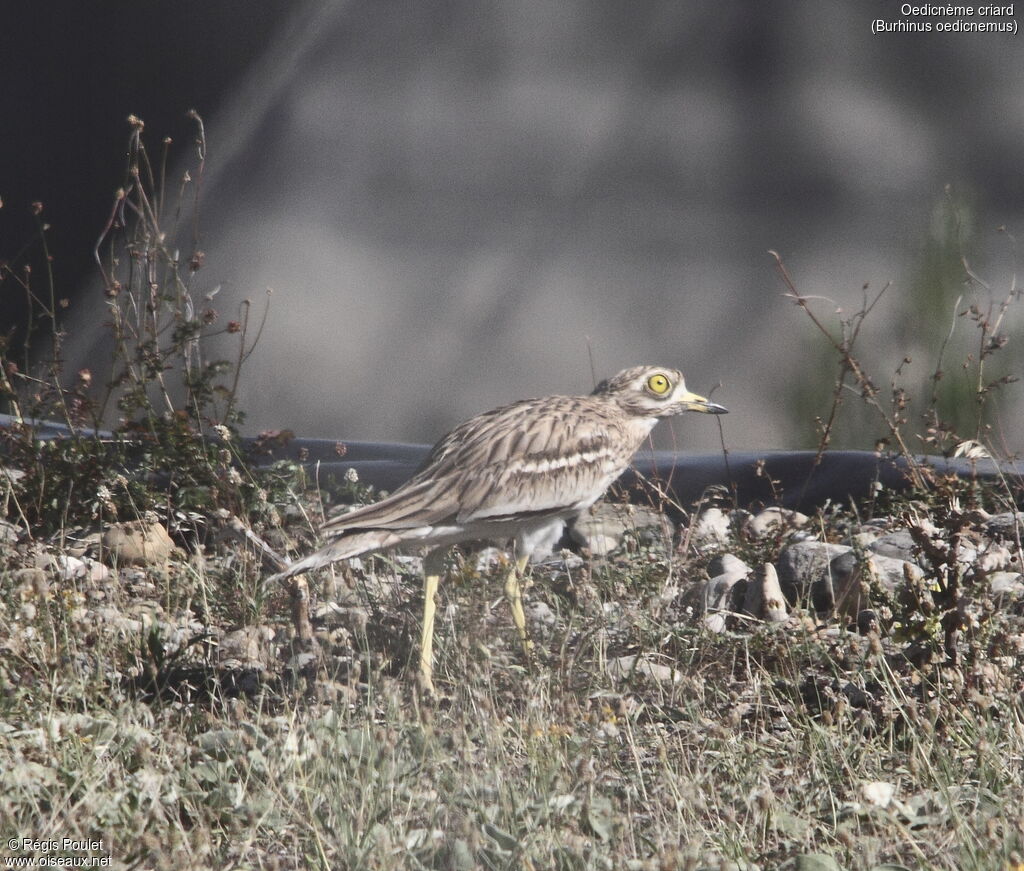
[693,402]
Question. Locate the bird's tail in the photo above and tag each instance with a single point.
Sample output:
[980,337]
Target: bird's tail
[346,546]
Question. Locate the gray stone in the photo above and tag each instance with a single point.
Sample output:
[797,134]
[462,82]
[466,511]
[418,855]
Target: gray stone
[898,545]
[802,563]
[996,558]
[725,592]
[645,665]
[727,563]
[1006,585]
[540,616]
[841,588]
[713,525]
[247,647]
[603,528]
[31,583]
[1008,525]
[774,520]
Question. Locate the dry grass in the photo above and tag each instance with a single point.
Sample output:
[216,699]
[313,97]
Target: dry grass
[761,747]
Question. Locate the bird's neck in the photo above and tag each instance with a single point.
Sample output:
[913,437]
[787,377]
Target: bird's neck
[640,428]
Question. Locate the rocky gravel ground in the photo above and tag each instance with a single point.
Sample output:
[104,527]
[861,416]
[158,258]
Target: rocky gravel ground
[734,632]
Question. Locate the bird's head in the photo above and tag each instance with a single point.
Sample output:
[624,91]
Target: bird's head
[654,391]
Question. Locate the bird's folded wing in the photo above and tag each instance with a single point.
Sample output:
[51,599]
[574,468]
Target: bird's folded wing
[532,458]
[533,465]
[415,504]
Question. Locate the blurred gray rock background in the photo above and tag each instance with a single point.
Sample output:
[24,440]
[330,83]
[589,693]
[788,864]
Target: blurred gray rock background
[458,204]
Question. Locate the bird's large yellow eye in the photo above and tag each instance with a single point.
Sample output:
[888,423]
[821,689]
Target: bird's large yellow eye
[658,384]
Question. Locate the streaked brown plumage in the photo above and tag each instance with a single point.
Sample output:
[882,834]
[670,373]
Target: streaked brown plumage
[518,472]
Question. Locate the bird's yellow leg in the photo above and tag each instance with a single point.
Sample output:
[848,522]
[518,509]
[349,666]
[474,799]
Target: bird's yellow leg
[514,594]
[432,566]
[430,584]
